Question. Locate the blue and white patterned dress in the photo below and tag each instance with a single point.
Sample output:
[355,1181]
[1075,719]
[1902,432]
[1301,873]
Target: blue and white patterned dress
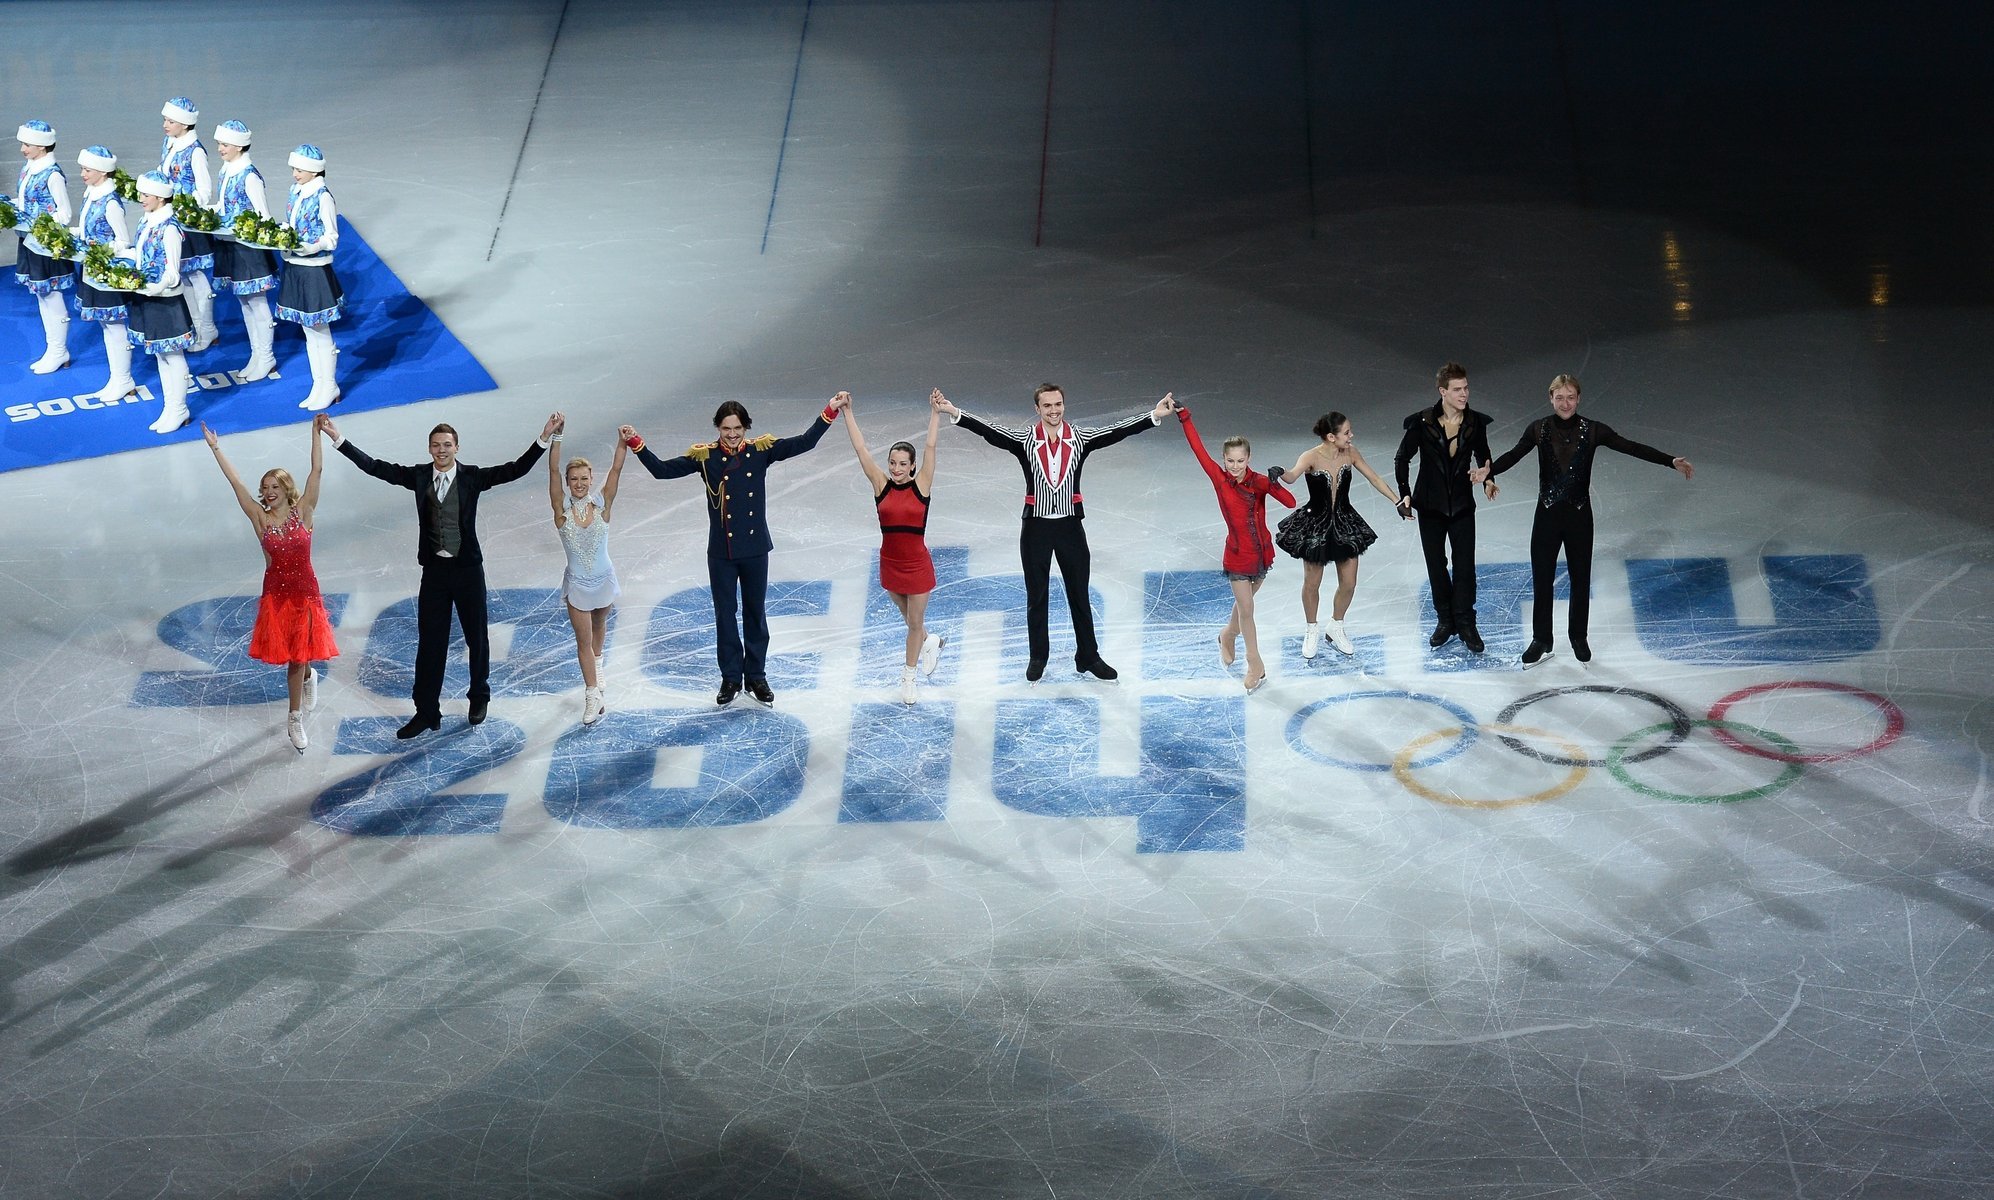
[99,230]
[35,195]
[310,293]
[246,270]
[159,324]
[197,249]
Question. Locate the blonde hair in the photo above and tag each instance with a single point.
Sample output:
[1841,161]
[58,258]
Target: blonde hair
[284,480]
[1236,440]
[1570,381]
[576,461]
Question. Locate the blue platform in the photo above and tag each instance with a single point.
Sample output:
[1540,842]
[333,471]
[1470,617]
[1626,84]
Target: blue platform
[393,350]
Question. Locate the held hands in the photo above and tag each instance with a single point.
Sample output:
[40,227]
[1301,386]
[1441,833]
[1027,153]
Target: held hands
[1166,405]
[1489,489]
[941,404]
[556,422]
[1404,508]
[842,400]
[324,425]
[1683,465]
[1479,474]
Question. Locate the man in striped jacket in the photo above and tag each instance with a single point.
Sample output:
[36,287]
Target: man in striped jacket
[1052,451]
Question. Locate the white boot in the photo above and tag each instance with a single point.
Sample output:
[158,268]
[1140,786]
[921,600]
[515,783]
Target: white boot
[906,685]
[200,296]
[173,380]
[1311,640]
[311,689]
[55,329]
[1340,639]
[931,653]
[261,328]
[298,739]
[321,353]
[591,705]
[118,350]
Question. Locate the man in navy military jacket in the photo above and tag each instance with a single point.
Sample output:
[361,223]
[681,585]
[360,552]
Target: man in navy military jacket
[735,471]
[453,564]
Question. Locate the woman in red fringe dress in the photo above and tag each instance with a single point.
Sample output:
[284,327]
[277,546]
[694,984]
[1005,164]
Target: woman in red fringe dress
[292,630]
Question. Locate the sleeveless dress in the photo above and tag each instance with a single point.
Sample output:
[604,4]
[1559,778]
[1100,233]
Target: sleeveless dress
[590,581]
[904,566]
[1325,531]
[291,624]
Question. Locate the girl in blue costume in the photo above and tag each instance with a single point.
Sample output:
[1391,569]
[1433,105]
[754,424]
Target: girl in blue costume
[310,294]
[103,223]
[160,322]
[184,161]
[247,271]
[44,190]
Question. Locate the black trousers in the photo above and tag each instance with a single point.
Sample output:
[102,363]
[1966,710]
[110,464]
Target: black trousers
[1453,594]
[740,588]
[1566,527]
[1041,541]
[449,584]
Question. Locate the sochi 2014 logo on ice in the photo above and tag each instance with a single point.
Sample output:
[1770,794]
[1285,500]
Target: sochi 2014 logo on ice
[1188,792]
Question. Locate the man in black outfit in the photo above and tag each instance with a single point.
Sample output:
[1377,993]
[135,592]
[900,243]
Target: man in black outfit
[1565,445]
[1446,437]
[453,565]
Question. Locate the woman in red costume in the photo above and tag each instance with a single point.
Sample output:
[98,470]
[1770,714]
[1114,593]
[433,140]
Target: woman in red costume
[901,493]
[1249,551]
[292,630]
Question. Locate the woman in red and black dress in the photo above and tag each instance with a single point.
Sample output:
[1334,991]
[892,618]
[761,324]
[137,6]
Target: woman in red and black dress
[292,630]
[901,494]
[1249,551]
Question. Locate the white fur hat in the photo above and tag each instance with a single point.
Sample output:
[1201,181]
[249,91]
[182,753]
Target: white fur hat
[308,158]
[97,158]
[37,133]
[152,183]
[181,109]
[232,133]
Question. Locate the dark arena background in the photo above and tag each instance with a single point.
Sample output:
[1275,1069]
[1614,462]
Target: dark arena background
[1708,916]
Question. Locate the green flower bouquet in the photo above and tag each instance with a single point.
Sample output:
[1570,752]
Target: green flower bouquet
[194,216]
[126,186]
[103,271]
[53,236]
[261,231]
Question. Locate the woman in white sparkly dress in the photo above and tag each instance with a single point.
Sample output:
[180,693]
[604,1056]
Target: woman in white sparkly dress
[588,586]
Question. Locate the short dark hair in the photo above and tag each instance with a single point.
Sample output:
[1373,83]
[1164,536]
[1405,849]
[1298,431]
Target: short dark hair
[441,428]
[733,408]
[1329,423]
[1043,388]
[1449,374]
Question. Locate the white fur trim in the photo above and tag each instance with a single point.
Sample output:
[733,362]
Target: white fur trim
[35,137]
[97,162]
[302,163]
[231,137]
[183,115]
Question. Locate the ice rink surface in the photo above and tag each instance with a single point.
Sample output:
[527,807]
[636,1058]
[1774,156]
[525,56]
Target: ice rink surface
[1352,935]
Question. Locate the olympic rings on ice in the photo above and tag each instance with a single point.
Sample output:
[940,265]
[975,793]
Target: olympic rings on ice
[1402,767]
[1616,763]
[1893,718]
[1466,728]
[1678,723]
[1465,731]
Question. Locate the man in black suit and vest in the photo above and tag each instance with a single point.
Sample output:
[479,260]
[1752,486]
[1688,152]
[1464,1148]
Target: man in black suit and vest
[453,565]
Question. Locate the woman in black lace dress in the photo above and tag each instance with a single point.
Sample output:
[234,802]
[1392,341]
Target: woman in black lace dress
[1327,529]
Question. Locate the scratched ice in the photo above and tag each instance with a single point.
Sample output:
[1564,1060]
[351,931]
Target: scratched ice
[1707,917]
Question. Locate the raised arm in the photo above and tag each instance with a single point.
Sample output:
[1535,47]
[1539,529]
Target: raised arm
[660,468]
[1203,455]
[554,488]
[250,508]
[1645,453]
[1510,458]
[401,476]
[1097,439]
[873,475]
[312,480]
[806,441]
[925,477]
[615,477]
[518,467]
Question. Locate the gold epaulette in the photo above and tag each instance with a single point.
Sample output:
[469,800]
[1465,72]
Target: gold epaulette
[698,451]
[763,442]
